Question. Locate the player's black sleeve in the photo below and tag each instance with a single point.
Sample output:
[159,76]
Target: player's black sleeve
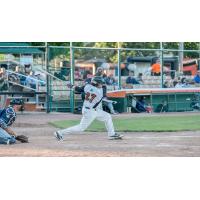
[104,90]
[79,90]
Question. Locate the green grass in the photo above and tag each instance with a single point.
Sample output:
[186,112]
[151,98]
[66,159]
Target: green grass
[154,123]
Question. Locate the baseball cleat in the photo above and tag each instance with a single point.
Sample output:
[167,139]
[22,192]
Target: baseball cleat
[116,137]
[58,136]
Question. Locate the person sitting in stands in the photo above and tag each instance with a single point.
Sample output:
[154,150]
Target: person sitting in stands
[183,83]
[155,68]
[30,81]
[197,77]
[110,80]
[166,84]
[131,80]
[139,78]
[89,78]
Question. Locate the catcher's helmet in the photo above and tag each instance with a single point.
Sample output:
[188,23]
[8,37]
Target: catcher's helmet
[97,80]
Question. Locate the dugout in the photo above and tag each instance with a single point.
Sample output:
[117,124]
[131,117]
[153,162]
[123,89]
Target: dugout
[178,100]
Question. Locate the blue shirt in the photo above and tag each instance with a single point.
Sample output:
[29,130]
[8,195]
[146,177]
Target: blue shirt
[197,79]
[131,80]
[7,117]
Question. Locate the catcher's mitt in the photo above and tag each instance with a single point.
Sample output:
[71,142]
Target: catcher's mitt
[22,138]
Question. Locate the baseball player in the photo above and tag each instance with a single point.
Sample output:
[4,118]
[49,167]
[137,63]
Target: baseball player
[92,109]
[7,118]
[7,135]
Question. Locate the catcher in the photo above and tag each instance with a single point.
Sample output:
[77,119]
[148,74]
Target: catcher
[7,135]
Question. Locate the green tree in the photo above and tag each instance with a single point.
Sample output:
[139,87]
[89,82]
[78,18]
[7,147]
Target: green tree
[111,55]
[191,46]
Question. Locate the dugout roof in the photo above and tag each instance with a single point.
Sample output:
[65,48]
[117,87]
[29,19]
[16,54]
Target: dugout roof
[21,48]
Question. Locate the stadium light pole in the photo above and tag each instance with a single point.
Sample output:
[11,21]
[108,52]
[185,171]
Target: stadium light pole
[71,77]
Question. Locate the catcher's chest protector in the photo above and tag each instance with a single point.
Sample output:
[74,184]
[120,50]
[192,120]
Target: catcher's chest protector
[8,115]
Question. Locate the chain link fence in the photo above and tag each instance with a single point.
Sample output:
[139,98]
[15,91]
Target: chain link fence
[40,75]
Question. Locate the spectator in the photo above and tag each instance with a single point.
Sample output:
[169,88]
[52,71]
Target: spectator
[39,76]
[171,83]
[33,79]
[110,80]
[197,77]
[139,78]
[155,68]
[175,81]
[195,103]
[77,75]
[14,78]
[163,107]
[185,82]
[178,84]
[131,80]
[22,78]
[100,72]
[141,104]
[182,83]
[7,118]
[85,73]
[30,81]
[27,68]
[148,71]
[166,84]
[89,78]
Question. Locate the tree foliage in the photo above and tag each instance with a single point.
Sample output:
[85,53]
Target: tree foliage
[111,55]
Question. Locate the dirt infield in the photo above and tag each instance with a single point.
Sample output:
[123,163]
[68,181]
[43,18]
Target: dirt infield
[43,143]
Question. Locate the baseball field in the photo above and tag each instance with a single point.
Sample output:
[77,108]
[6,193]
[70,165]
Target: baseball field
[145,135]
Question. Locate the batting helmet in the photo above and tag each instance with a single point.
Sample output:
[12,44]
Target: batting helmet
[97,80]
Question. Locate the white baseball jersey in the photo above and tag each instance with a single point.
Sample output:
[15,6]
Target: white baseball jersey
[92,96]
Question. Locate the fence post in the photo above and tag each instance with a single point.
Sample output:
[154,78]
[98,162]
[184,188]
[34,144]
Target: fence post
[47,76]
[119,66]
[180,56]
[71,77]
[161,63]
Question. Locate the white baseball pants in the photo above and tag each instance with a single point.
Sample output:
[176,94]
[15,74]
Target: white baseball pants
[89,115]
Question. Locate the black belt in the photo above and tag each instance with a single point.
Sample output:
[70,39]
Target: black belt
[90,108]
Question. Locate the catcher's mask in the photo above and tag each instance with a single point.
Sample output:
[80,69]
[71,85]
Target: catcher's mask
[97,81]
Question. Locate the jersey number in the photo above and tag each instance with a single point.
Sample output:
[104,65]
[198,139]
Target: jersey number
[90,97]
